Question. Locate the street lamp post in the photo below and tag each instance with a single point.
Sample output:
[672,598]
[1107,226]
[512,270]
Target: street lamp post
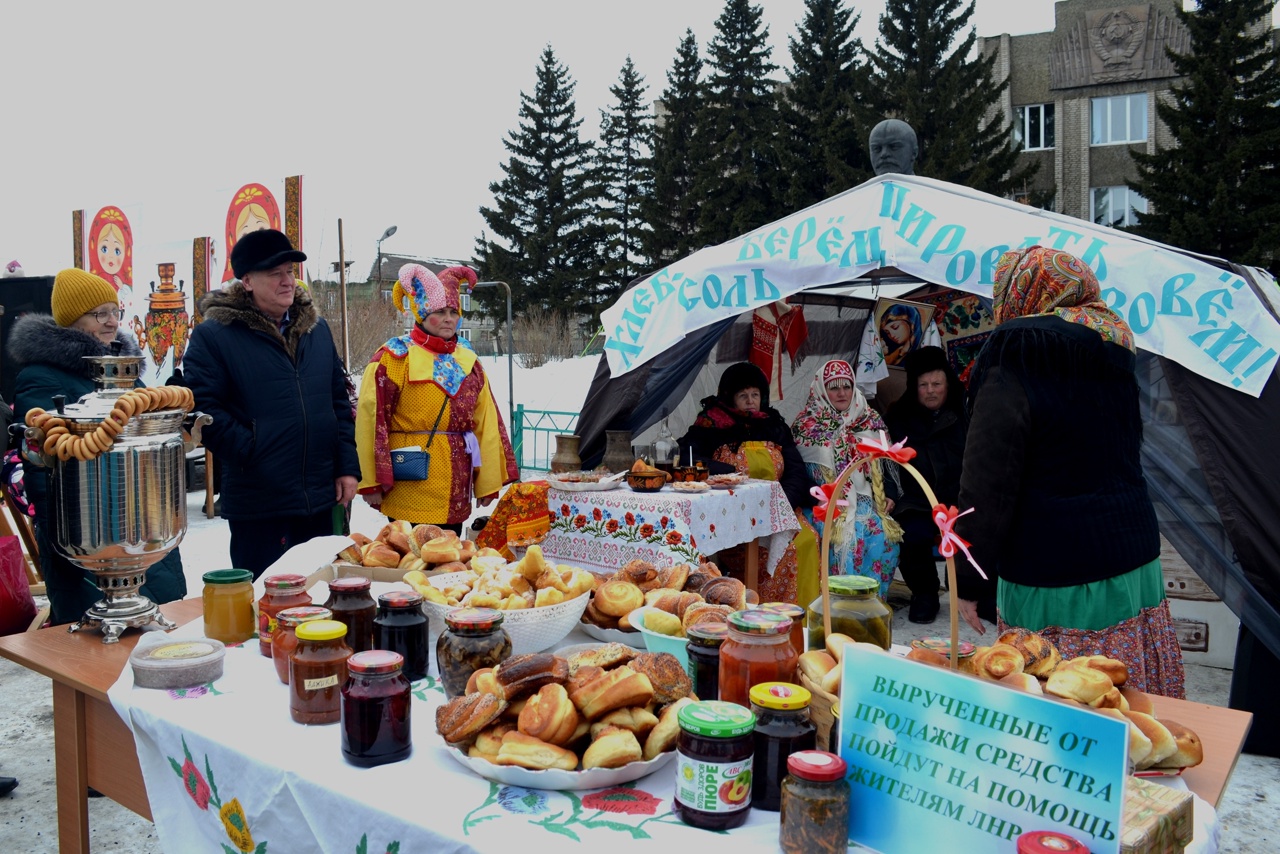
[391,229]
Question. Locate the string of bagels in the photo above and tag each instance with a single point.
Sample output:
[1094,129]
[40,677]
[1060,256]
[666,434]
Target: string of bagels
[60,442]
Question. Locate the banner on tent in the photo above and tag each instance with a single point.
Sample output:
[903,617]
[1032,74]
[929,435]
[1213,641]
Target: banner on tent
[1206,319]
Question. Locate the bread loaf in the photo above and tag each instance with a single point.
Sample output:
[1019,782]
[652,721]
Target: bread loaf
[1081,684]
[1139,744]
[461,719]
[664,735]
[535,754]
[1190,751]
[609,690]
[996,662]
[1040,656]
[525,674]
[816,663]
[549,715]
[666,674]
[613,747]
[1163,744]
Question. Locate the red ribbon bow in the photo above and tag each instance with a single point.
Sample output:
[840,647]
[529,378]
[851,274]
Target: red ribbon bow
[945,518]
[823,494]
[898,452]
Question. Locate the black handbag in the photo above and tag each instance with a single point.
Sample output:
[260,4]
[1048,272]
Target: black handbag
[415,463]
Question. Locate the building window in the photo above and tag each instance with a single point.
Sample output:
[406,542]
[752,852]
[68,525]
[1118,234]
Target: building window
[1115,206]
[1033,126]
[1119,119]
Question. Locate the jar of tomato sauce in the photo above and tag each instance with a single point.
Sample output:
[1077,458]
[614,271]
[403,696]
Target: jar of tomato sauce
[352,604]
[228,605]
[317,672]
[757,650]
[284,640]
[279,592]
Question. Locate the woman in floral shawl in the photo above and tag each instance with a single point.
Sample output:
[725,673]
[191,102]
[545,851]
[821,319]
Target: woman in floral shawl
[834,418]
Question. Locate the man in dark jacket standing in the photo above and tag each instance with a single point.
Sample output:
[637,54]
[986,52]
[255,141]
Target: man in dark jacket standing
[264,365]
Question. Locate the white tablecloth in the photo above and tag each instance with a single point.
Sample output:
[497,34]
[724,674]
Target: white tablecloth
[604,530]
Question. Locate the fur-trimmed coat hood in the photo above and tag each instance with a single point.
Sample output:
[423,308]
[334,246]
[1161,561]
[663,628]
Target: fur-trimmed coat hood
[38,340]
[234,304]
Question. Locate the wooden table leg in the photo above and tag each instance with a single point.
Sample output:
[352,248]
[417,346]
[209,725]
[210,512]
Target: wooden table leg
[753,564]
[71,767]
[208,484]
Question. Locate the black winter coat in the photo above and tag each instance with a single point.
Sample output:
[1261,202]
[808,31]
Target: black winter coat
[282,428]
[938,440]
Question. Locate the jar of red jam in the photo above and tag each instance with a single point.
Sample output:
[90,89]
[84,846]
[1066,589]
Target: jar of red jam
[353,605]
[757,650]
[795,614]
[782,728]
[279,592]
[400,626]
[704,657]
[473,639]
[714,765]
[317,672]
[815,805]
[284,640]
[376,701]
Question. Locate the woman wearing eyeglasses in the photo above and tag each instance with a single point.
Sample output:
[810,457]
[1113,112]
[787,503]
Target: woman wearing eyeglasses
[49,352]
[835,416]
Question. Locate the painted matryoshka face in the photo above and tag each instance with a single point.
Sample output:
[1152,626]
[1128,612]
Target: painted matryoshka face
[252,222]
[110,252]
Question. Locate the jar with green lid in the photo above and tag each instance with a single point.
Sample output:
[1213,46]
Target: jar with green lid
[856,611]
[714,764]
[783,727]
[228,605]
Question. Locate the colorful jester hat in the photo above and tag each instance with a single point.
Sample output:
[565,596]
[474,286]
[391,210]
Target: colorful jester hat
[419,292]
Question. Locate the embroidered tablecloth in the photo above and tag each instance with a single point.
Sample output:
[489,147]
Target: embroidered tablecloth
[604,530]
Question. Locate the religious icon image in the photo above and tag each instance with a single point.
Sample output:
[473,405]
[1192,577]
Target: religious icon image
[252,209]
[168,324]
[902,326]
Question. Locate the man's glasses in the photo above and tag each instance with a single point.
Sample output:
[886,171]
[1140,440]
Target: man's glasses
[104,316]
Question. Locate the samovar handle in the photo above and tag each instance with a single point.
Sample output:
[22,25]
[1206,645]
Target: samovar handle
[197,420]
[31,444]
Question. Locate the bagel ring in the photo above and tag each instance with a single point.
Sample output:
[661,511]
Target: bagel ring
[63,446]
[32,415]
[125,406]
[111,427]
[91,445]
[80,450]
[50,445]
[155,398]
[104,438]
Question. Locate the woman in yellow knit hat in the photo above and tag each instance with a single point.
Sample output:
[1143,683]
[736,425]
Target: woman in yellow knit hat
[49,354]
[428,390]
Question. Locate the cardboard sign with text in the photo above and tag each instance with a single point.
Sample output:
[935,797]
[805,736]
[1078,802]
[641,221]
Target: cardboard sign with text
[935,756]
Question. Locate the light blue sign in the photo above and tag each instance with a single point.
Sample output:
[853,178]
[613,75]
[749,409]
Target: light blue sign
[944,762]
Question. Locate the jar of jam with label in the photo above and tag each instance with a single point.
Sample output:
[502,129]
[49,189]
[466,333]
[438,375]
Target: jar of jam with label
[815,805]
[473,639]
[284,640]
[1049,842]
[376,701]
[782,728]
[795,614]
[353,605]
[757,650]
[279,592]
[228,605]
[317,672]
[856,610]
[714,765]
[400,626]
[704,657]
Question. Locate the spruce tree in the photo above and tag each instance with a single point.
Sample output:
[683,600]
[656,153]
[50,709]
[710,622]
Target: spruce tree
[1217,190]
[824,145]
[920,74]
[544,207]
[672,210]
[737,183]
[626,179]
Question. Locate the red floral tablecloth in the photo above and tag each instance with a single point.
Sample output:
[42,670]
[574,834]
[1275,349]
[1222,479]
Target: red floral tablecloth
[604,530]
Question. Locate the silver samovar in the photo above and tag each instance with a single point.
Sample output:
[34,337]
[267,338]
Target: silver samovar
[123,511]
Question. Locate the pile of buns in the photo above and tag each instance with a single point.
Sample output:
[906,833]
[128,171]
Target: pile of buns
[491,582]
[601,708]
[400,545]
[688,595]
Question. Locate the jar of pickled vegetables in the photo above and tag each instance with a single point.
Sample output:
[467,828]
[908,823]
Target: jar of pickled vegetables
[474,639]
[856,611]
[757,650]
[284,640]
[815,805]
[279,592]
[228,605]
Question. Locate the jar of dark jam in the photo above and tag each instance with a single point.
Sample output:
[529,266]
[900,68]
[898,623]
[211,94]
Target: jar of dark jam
[815,805]
[757,650]
[284,640]
[704,658]
[278,592]
[473,639]
[782,728]
[400,626]
[795,614]
[714,764]
[352,604]
[317,672]
[376,701]
[856,610]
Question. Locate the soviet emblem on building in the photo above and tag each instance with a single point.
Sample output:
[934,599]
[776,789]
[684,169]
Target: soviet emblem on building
[1117,38]
[1115,45]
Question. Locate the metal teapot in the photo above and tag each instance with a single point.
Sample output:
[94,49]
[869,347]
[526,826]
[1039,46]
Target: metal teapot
[122,511]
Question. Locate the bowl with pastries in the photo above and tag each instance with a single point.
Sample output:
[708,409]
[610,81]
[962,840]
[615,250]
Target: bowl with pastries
[541,602]
[599,717]
[662,632]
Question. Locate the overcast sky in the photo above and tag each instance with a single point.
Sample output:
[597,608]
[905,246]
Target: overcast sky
[394,112]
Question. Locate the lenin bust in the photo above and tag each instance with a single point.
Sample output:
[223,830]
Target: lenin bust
[893,148]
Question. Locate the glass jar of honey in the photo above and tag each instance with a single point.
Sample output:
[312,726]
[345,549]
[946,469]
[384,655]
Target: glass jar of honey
[376,701]
[757,650]
[317,672]
[352,604]
[228,605]
[284,640]
[856,611]
[279,592]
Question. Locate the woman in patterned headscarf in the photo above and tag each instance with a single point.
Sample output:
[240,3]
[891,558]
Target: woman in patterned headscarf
[1052,468]
[427,389]
[834,417]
